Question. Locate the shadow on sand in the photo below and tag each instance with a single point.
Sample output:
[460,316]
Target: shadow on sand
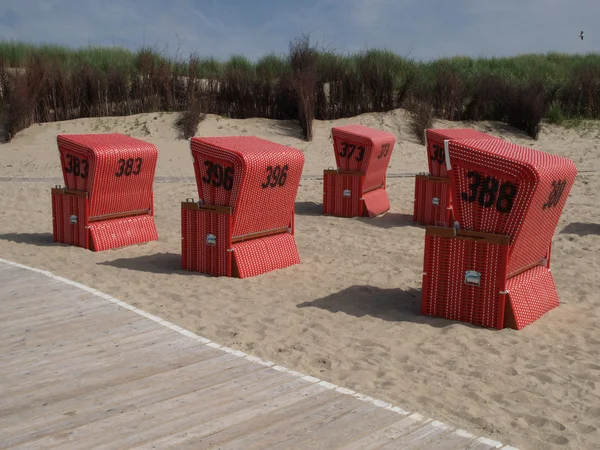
[581,229]
[39,239]
[165,263]
[393,305]
[388,220]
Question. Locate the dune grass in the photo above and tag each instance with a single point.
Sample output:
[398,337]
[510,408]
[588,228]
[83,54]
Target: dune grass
[58,83]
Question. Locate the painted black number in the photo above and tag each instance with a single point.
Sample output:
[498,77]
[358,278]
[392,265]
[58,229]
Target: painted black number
[385,149]
[78,167]
[439,155]
[136,171]
[349,150]
[218,176]
[276,176]
[228,179]
[126,167]
[506,197]
[473,186]
[558,187]
[488,192]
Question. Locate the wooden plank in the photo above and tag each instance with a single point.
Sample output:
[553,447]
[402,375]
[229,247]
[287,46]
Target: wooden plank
[126,375]
[71,330]
[418,437]
[383,436]
[57,296]
[276,426]
[76,326]
[133,393]
[80,372]
[23,353]
[499,239]
[34,291]
[303,396]
[364,419]
[317,427]
[113,400]
[160,417]
[138,212]
[69,359]
[93,372]
[452,441]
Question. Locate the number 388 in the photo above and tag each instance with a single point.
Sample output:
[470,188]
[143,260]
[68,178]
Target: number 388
[488,192]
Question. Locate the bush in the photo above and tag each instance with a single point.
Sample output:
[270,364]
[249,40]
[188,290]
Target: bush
[188,121]
[555,115]
[303,60]
[421,118]
[52,83]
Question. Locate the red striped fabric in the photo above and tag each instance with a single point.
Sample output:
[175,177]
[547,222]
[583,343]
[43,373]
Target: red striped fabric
[342,194]
[445,291]
[69,220]
[432,204]
[206,242]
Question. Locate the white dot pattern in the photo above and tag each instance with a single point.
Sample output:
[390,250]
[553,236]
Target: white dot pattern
[254,209]
[111,194]
[530,225]
[261,255]
[107,193]
[532,294]
[437,136]
[122,232]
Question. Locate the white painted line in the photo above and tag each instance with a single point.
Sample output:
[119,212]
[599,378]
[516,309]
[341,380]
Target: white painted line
[256,360]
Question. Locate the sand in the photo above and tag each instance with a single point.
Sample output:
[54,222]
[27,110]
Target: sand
[350,313]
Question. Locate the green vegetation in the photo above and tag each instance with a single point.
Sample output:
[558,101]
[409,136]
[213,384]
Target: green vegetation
[49,83]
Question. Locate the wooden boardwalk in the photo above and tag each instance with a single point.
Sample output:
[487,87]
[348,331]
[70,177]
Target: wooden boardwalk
[82,370]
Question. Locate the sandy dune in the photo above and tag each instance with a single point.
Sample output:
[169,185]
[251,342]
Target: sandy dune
[349,313]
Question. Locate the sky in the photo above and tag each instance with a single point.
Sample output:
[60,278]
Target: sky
[419,29]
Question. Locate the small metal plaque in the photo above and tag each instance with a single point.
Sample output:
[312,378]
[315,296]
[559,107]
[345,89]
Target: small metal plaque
[436,201]
[73,220]
[472,278]
[211,240]
[347,193]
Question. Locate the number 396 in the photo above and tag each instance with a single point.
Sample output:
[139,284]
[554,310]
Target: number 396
[276,176]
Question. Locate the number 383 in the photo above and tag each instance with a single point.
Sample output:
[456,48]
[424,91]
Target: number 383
[488,192]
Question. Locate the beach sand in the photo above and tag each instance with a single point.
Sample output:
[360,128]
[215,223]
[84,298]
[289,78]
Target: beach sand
[350,313]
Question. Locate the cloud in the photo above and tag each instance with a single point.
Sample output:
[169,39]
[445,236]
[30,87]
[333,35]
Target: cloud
[9,18]
[223,28]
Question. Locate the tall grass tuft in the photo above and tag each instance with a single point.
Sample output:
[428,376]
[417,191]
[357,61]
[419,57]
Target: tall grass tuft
[303,60]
